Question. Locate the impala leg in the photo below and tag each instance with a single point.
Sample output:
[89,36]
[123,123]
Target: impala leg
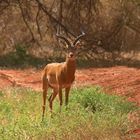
[52,97]
[67,90]
[60,98]
[45,88]
[44,102]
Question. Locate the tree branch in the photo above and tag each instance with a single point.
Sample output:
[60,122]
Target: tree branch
[44,9]
[25,21]
[37,23]
[133,28]
[6,4]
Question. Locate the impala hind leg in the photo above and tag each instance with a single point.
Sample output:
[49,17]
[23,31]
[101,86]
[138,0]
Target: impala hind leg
[51,99]
[45,88]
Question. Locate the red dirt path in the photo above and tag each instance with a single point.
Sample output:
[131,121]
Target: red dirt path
[119,80]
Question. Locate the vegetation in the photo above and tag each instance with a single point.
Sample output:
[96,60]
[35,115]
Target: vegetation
[28,28]
[20,59]
[91,114]
[112,27]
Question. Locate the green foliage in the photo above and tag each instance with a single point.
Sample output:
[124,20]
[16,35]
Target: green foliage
[20,58]
[96,100]
[91,114]
[21,51]
[20,55]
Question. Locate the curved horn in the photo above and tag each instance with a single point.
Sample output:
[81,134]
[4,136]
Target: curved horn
[76,40]
[62,37]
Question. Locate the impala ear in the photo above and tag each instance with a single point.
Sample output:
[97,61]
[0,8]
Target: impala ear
[78,45]
[66,46]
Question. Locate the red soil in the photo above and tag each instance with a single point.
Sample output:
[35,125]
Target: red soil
[118,80]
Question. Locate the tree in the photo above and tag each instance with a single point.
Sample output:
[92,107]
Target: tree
[107,24]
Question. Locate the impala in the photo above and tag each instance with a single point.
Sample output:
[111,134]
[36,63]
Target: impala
[60,75]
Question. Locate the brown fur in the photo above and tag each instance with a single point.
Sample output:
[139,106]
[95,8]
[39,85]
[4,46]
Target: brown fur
[58,76]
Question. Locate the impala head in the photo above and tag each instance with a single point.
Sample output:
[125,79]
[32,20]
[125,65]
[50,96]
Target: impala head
[71,47]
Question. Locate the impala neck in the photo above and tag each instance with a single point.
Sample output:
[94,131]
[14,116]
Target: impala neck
[70,66]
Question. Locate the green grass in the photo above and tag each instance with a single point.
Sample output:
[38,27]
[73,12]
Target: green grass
[91,115]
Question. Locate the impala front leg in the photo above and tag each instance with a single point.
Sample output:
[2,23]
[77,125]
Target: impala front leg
[60,98]
[67,90]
